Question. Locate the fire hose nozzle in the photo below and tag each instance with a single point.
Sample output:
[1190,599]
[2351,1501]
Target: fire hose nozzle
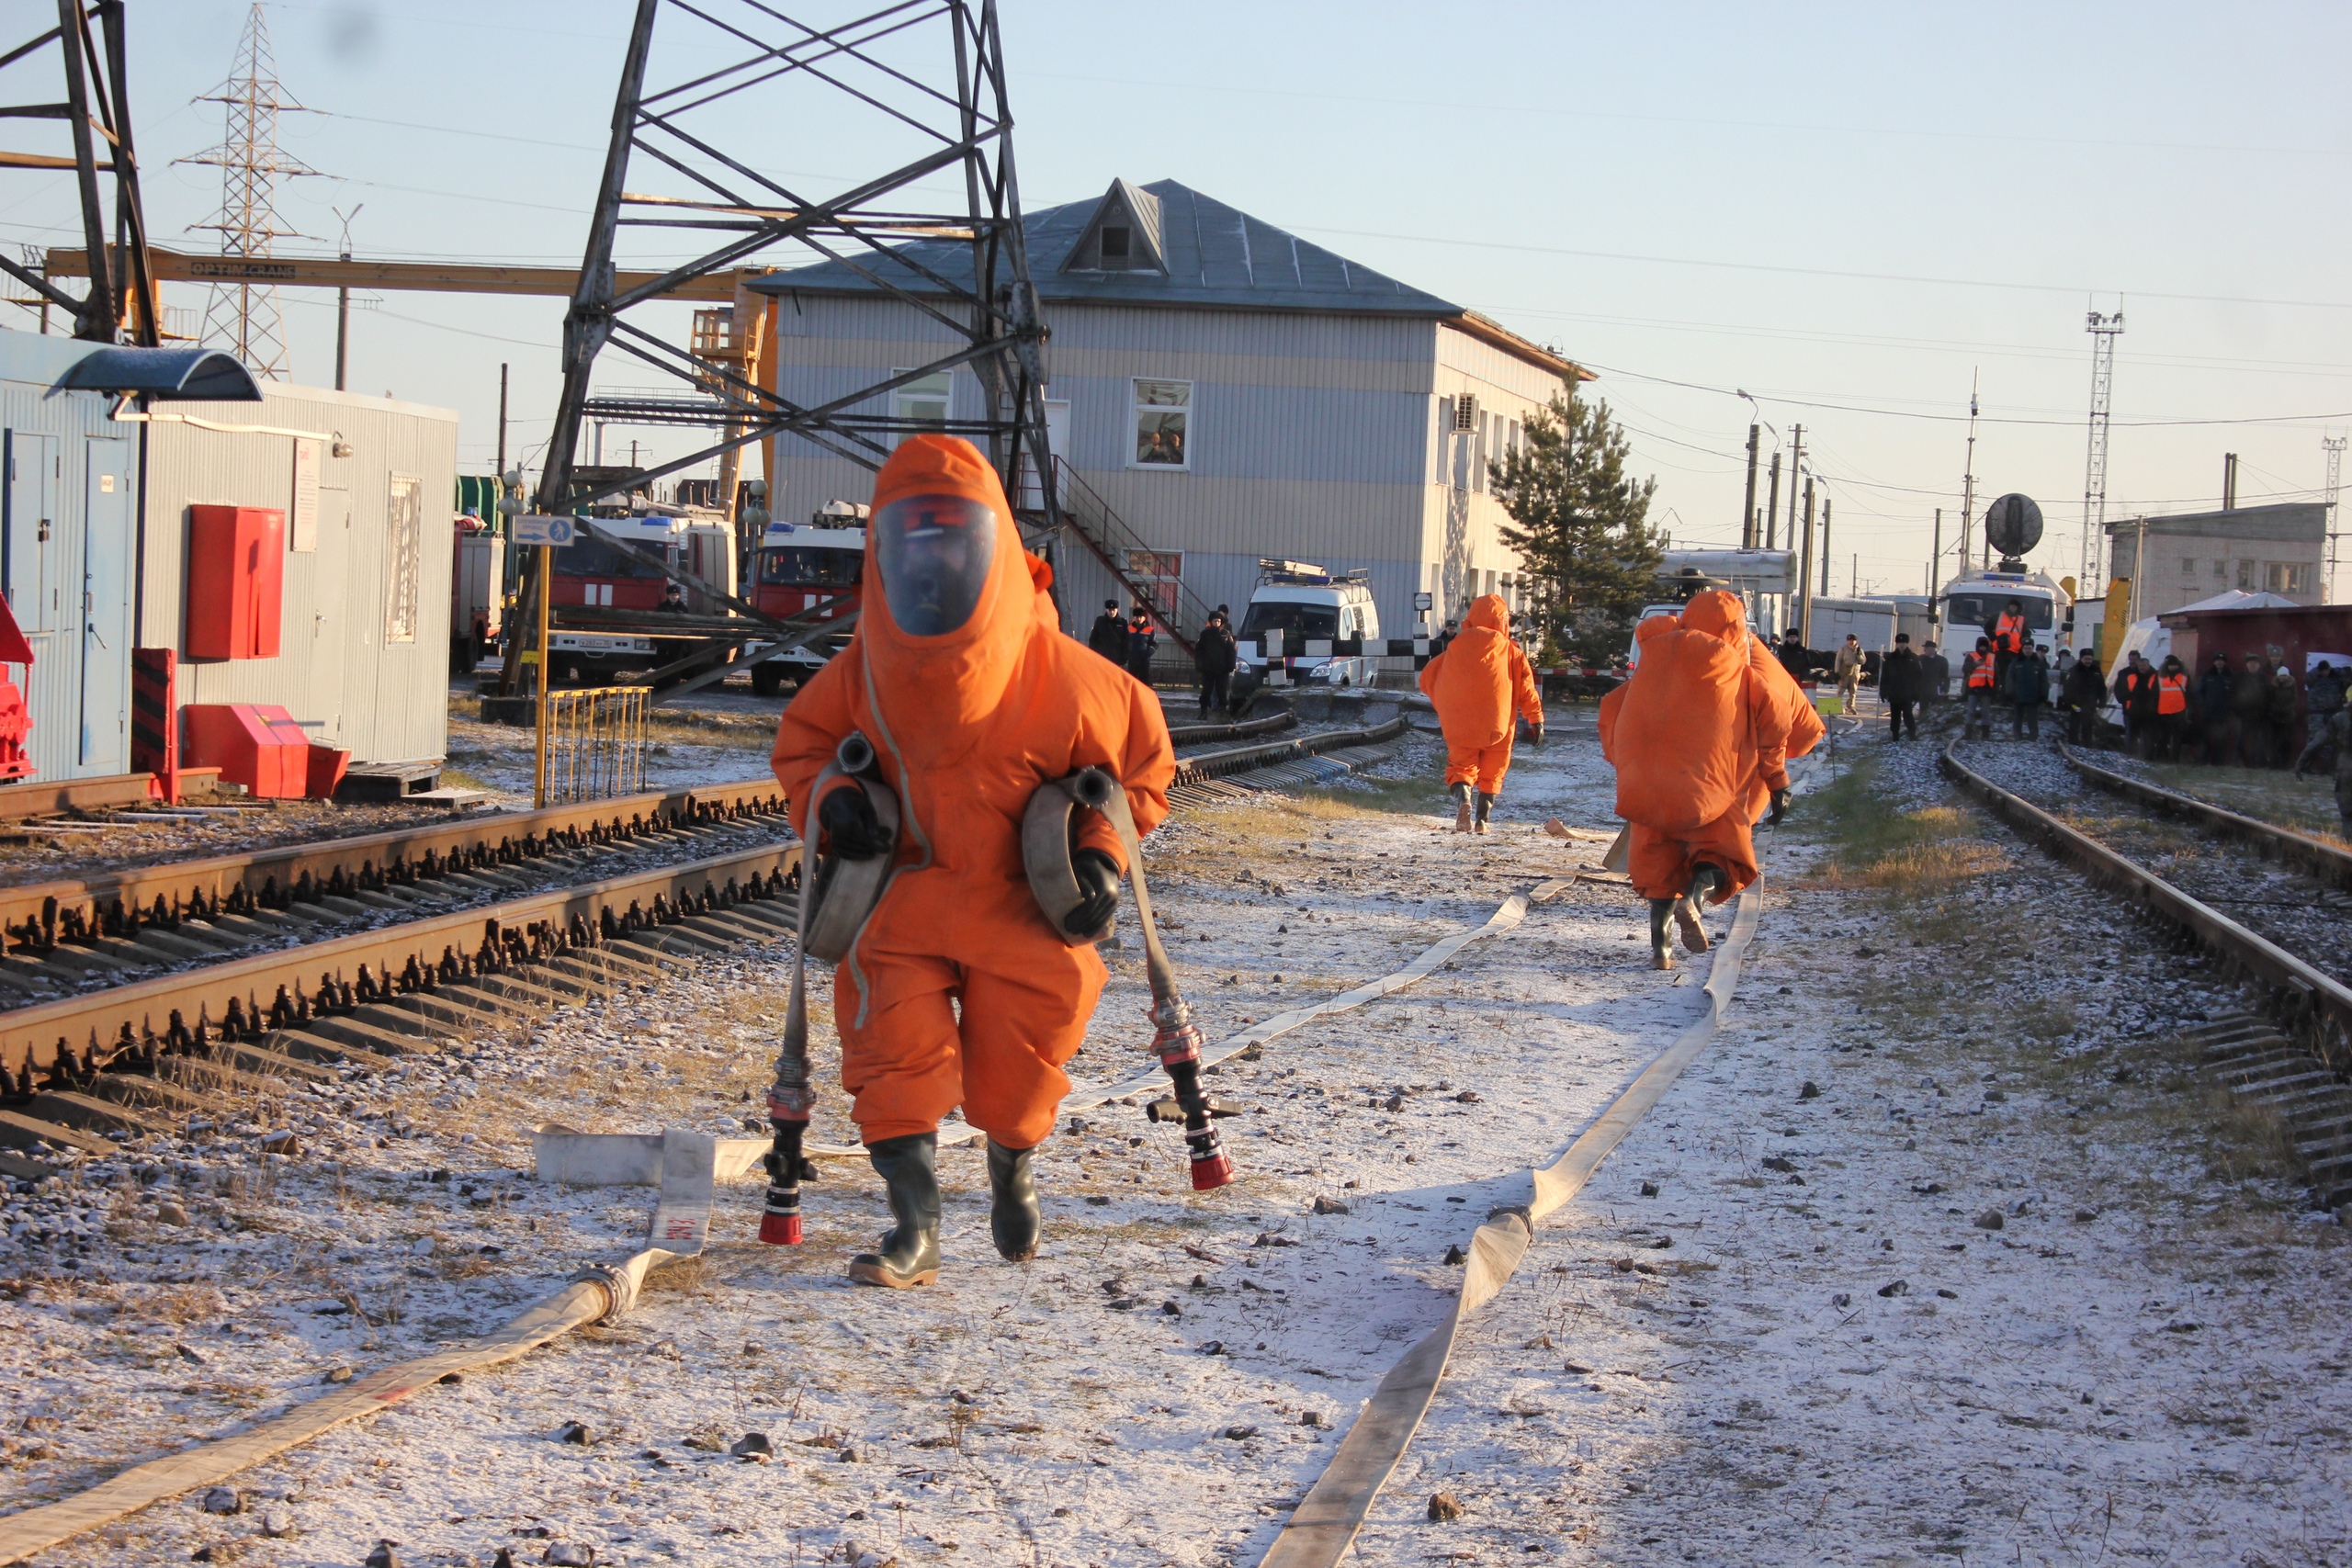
[787,1168]
[1210,1171]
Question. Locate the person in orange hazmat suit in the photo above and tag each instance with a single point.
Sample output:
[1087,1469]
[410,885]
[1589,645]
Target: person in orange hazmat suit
[1476,685]
[1700,736]
[955,991]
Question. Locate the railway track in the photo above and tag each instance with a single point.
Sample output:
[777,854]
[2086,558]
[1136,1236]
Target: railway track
[143,992]
[2273,925]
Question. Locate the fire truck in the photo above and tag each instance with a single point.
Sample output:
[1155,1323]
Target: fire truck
[803,567]
[598,574]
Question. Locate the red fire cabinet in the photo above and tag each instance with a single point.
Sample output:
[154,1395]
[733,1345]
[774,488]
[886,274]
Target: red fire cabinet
[260,747]
[236,574]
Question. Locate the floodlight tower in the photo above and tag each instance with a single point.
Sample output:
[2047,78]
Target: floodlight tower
[2104,331]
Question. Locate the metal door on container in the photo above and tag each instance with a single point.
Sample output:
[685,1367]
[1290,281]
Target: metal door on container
[27,526]
[109,541]
[329,645]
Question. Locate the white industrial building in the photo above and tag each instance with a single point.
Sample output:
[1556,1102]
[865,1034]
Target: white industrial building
[1226,390]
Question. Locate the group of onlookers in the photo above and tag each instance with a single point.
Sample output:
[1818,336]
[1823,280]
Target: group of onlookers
[2243,716]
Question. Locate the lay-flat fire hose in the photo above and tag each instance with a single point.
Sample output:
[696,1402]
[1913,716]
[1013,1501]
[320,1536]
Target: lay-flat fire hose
[836,897]
[1176,1041]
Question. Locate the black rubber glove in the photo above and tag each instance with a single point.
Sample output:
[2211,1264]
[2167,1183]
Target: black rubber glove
[848,820]
[1535,735]
[1779,807]
[1098,879]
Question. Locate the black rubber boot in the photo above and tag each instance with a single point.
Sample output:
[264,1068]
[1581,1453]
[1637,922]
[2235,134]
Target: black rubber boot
[1661,944]
[1461,809]
[1704,880]
[1479,818]
[1014,1218]
[909,1255]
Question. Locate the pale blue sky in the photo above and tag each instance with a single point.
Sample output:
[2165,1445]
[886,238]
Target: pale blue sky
[1886,199]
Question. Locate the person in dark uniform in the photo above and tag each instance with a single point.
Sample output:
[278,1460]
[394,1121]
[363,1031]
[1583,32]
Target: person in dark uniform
[1109,636]
[1213,660]
[1142,643]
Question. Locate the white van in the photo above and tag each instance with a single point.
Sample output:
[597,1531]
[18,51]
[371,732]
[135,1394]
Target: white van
[1297,617]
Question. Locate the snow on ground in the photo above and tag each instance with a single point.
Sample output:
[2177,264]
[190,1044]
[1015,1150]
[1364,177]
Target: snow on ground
[1174,1370]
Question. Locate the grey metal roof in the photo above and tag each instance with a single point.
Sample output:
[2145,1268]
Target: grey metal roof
[1216,255]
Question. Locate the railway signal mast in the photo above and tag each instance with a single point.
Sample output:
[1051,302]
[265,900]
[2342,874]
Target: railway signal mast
[2104,331]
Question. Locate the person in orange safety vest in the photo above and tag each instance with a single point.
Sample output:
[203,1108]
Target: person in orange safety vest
[2009,641]
[1476,685]
[955,991]
[1980,678]
[2172,709]
[1700,736]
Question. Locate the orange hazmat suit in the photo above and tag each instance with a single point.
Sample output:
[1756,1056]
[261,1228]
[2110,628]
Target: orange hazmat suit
[1475,683]
[1700,736]
[965,724]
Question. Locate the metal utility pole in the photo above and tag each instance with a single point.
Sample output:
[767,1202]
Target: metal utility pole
[1968,482]
[2333,446]
[1804,570]
[2104,330]
[1936,559]
[1796,462]
[342,324]
[2228,482]
[119,304]
[932,78]
[1748,509]
[242,317]
[1826,503]
[502,420]
[1772,508]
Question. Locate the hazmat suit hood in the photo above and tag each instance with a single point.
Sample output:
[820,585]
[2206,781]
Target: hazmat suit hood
[1717,614]
[1488,613]
[931,690]
[1655,626]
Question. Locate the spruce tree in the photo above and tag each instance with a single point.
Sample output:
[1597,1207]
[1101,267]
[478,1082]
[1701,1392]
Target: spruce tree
[1582,530]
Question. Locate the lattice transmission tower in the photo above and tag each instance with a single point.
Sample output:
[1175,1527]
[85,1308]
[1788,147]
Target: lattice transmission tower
[2104,330]
[914,87]
[242,317]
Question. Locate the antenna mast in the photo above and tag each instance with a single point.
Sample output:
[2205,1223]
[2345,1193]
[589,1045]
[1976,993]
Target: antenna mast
[2104,330]
[242,317]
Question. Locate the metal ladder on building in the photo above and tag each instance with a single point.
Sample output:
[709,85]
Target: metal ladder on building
[1108,538]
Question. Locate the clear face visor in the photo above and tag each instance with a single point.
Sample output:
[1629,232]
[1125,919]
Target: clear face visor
[934,552]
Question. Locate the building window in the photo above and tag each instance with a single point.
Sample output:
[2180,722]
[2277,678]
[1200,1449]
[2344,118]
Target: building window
[1158,573]
[2220,571]
[2188,566]
[1163,412]
[2245,573]
[406,515]
[2286,577]
[922,403]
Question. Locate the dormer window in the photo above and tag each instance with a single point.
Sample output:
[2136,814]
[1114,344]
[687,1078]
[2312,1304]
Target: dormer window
[1122,234]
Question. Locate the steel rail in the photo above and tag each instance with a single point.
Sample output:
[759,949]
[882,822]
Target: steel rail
[2322,860]
[246,997]
[2301,993]
[1242,759]
[33,915]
